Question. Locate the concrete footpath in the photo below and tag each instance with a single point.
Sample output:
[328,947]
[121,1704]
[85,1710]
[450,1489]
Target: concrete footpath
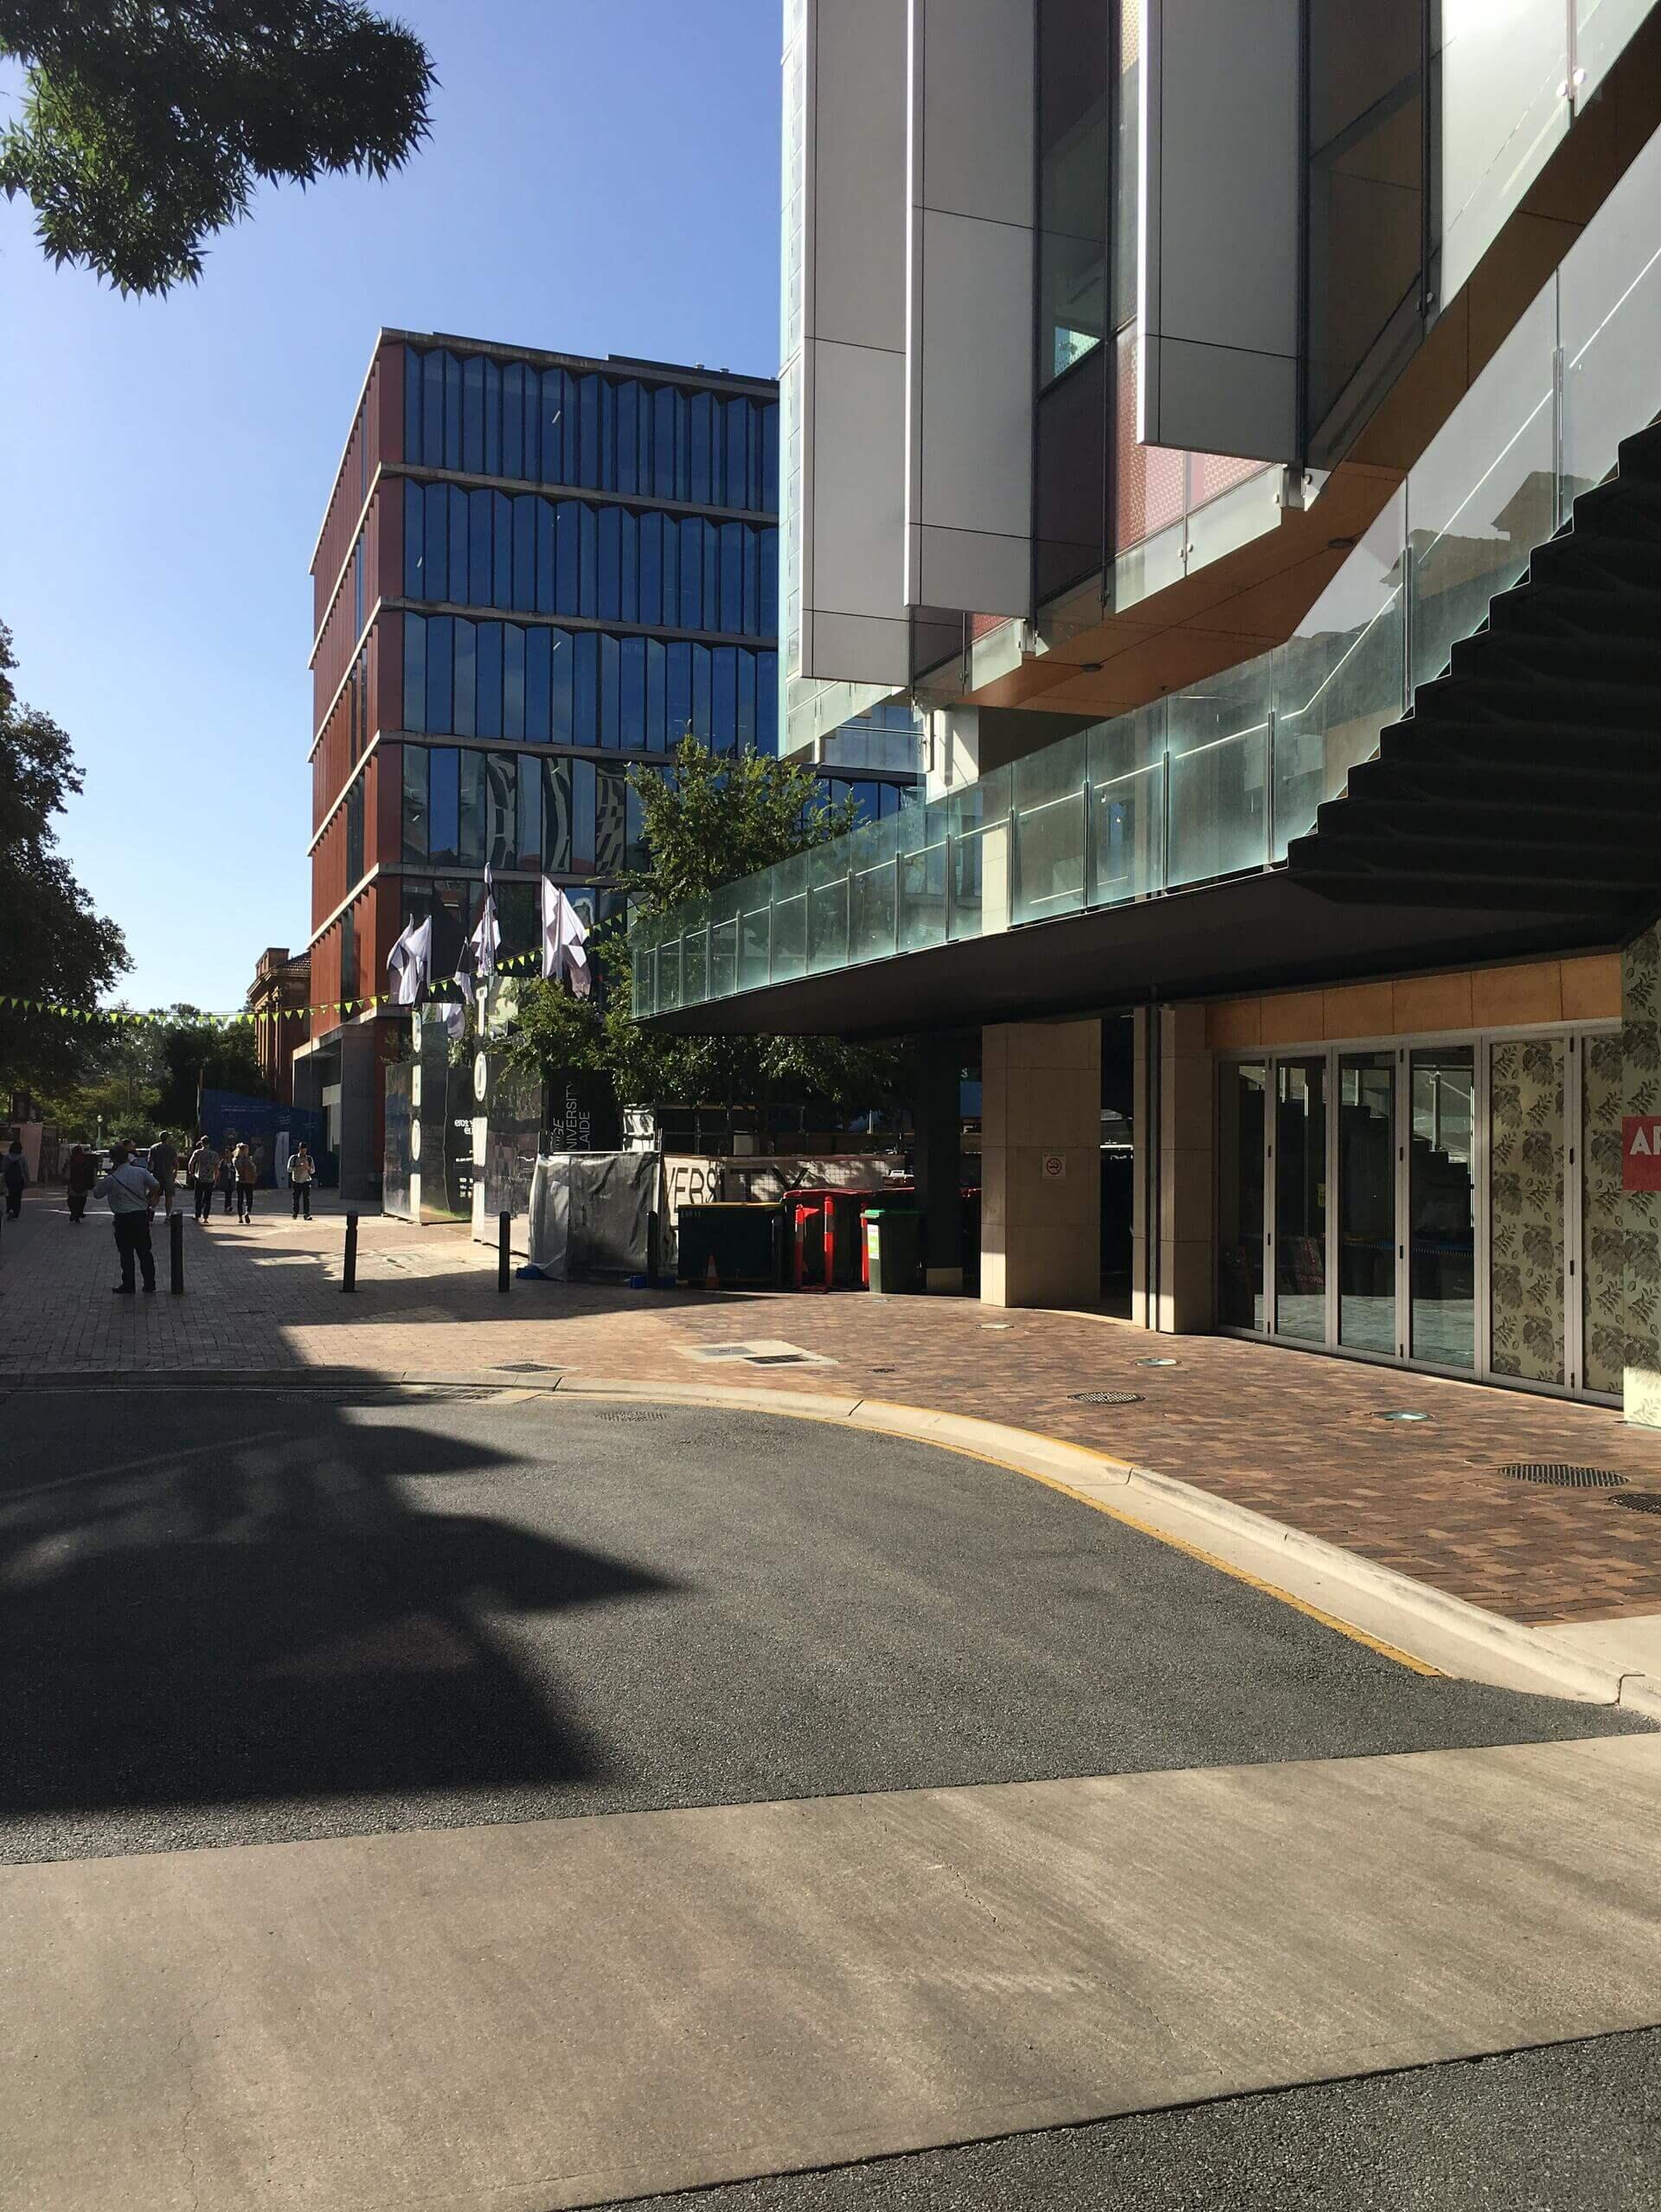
[565,2013]
[1279,1461]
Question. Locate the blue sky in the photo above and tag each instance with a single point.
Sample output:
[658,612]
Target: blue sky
[599,179]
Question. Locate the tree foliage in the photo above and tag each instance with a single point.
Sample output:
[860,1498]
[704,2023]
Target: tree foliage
[145,124]
[141,1079]
[54,946]
[710,821]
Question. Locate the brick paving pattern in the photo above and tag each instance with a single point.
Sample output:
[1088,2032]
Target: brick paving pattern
[1289,1434]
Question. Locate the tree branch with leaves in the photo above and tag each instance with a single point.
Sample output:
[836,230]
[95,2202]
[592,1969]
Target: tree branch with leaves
[146,125]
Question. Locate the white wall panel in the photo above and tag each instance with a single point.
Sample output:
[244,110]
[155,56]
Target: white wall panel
[855,627]
[969,354]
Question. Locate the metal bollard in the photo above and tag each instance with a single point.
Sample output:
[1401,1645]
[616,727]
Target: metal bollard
[175,1253]
[349,1279]
[503,1250]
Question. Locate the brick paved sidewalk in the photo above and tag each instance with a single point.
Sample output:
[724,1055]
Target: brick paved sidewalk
[1288,1433]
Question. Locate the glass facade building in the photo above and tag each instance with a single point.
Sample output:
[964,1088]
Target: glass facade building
[536,572]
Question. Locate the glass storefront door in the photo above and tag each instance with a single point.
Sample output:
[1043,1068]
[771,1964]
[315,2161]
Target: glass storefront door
[1300,1199]
[1441,1207]
[1240,1193]
[1367,1201]
[1452,1204]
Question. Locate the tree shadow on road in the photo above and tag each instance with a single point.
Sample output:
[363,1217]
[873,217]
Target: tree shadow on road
[230,1598]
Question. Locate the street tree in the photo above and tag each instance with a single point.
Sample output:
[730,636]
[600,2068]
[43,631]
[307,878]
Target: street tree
[711,820]
[54,947]
[145,124]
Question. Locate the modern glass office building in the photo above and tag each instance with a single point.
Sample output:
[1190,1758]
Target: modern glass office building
[1230,430]
[536,572]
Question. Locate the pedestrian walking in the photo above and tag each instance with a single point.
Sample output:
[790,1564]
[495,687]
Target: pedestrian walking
[15,1172]
[202,1167]
[302,1171]
[133,1192]
[164,1166]
[225,1178]
[246,1168]
[77,1177]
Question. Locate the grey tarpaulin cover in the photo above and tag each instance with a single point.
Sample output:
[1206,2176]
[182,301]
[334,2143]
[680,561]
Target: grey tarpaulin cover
[591,1213]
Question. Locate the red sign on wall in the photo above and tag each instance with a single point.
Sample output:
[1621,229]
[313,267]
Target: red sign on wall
[1640,1152]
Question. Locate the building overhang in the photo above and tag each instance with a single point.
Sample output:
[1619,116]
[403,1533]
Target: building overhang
[1257,932]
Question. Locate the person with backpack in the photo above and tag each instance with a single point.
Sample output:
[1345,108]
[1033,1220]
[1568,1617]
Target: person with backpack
[302,1173]
[225,1177]
[133,1192]
[14,1169]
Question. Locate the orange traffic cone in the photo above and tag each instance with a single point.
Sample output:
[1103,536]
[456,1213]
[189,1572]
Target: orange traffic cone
[711,1279]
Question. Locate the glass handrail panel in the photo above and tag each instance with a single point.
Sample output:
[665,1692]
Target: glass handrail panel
[669,975]
[1602,28]
[872,918]
[1130,835]
[1609,309]
[827,918]
[723,957]
[922,896]
[1050,826]
[1217,780]
[789,937]
[1484,494]
[1504,105]
[695,964]
[755,946]
[1341,678]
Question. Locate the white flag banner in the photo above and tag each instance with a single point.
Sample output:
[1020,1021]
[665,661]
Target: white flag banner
[455,1020]
[409,964]
[487,938]
[563,940]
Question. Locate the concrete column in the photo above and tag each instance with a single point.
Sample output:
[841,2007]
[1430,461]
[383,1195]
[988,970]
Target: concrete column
[1173,1264]
[1640,1210]
[1041,1163]
[939,1169]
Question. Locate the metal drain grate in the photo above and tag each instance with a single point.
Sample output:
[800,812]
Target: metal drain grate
[1562,1476]
[1400,1414]
[1106,1397]
[526,1367]
[1641,1501]
[630,1414]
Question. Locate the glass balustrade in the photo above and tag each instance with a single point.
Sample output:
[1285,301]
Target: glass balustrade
[1220,778]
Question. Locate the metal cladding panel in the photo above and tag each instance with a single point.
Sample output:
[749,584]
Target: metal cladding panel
[969,344]
[853,335]
[1219,250]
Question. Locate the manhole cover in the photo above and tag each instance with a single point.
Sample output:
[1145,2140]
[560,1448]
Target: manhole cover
[1641,1501]
[1106,1397]
[1562,1476]
[1398,1414]
[1158,1362]
[777,1359]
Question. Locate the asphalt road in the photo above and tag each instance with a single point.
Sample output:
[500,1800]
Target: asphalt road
[241,1616]
[1574,2128]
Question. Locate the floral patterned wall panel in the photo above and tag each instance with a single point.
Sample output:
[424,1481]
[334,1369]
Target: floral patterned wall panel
[1603,1297]
[1525,1152]
[1640,1211]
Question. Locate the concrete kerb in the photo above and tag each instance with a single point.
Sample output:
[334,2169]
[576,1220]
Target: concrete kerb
[1140,1495]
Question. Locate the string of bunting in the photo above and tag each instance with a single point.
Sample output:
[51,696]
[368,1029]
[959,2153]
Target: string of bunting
[154,1017]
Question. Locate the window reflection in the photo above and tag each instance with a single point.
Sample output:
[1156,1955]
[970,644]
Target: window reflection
[1073,172]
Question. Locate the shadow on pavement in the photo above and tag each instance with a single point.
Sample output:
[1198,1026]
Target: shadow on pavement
[226,1596]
